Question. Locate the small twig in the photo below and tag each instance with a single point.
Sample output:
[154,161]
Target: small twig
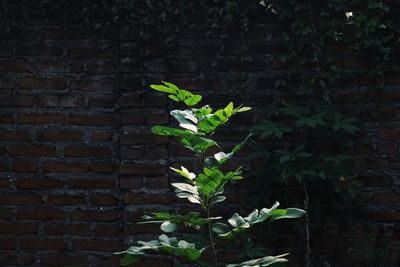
[306,226]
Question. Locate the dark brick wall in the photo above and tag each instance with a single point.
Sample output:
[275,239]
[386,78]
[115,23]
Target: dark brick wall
[79,164]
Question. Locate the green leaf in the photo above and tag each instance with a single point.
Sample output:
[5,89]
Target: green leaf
[163,88]
[264,261]
[193,100]
[168,226]
[163,244]
[237,223]
[168,131]
[129,259]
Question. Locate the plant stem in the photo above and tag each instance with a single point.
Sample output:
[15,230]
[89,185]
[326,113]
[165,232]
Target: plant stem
[306,226]
[211,237]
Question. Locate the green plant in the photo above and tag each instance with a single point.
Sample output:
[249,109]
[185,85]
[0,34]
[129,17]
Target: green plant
[305,146]
[205,189]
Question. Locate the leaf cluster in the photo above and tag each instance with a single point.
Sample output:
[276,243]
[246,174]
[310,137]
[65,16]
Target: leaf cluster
[204,189]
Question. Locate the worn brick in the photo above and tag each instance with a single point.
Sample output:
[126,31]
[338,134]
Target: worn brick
[24,166]
[15,67]
[14,135]
[6,118]
[96,245]
[142,169]
[87,151]
[66,200]
[139,198]
[101,216]
[130,183]
[41,118]
[39,183]
[389,133]
[69,229]
[43,244]
[64,166]
[156,153]
[91,120]
[142,139]
[8,243]
[60,260]
[93,183]
[92,52]
[32,150]
[40,214]
[18,228]
[41,83]
[87,85]
[105,166]
[111,229]
[60,135]
[103,200]
[102,102]
[102,136]
[38,50]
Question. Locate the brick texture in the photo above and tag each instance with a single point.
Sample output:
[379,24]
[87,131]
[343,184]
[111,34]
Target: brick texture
[79,164]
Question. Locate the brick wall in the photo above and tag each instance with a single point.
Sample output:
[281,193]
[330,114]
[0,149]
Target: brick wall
[79,165]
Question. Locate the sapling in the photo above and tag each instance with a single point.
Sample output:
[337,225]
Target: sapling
[204,189]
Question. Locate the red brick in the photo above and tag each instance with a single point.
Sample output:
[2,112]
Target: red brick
[31,150]
[19,199]
[159,183]
[91,52]
[8,243]
[24,166]
[102,166]
[132,119]
[9,259]
[95,183]
[378,180]
[61,260]
[103,200]
[155,153]
[130,183]
[131,153]
[4,182]
[111,229]
[51,66]
[96,245]
[38,50]
[70,229]
[41,83]
[102,136]
[62,166]
[40,214]
[7,84]
[142,169]
[91,120]
[102,102]
[134,229]
[140,198]
[157,118]
[60,135]
[385,197]
[15,67]
[72,102]
[389,134]
[14,135]
[39,183]
[136,139]
[4,166]
[23,101]
[131,101]
[87,151]
[43,244]
[387,148]
[100,216]
[18,228]
[6,118]
[32,118]
[105,85]
[5,213]
[101,68]
[66,200]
